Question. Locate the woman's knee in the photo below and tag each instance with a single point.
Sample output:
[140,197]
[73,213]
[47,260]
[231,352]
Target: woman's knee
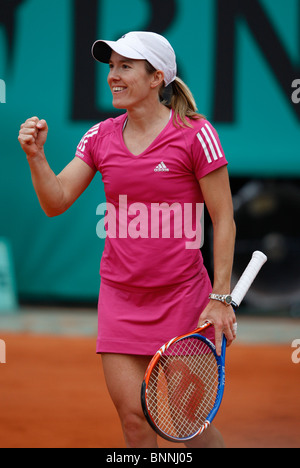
[137,432]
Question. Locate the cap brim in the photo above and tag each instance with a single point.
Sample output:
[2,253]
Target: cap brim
[102,50]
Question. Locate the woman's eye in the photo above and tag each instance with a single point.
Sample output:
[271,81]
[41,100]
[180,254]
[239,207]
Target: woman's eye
[124,66]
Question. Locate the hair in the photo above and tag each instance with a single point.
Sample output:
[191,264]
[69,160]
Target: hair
[178,96]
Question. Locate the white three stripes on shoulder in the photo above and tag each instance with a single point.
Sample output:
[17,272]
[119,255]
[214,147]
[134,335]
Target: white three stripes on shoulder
[93,131]
[209,144]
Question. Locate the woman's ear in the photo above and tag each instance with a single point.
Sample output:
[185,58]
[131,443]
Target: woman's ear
[157,79]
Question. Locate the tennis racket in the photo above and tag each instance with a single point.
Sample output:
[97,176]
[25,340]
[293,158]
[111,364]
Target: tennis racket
[184,384]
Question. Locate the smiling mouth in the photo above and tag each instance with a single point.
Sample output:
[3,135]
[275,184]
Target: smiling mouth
[118,89]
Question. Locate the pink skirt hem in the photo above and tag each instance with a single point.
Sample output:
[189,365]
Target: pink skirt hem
[139,322]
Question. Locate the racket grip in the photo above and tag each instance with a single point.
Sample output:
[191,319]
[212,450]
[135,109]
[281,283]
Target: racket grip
[257,261]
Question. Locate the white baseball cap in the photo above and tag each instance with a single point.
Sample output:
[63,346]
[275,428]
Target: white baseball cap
[141,45]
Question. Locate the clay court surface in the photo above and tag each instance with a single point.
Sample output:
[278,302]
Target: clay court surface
[53,395]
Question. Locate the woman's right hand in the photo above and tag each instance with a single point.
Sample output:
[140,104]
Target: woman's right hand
[32,136]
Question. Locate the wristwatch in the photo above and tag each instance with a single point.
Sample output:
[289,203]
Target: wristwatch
[224,298]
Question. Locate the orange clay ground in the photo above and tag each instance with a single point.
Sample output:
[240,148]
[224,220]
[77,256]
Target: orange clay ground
[52,394]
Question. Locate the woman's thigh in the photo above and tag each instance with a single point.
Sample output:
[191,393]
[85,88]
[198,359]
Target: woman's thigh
[124,375]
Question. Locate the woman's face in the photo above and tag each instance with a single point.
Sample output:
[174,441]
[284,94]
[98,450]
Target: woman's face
[129,82]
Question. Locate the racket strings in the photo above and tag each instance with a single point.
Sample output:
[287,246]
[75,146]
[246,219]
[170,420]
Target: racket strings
[183,388]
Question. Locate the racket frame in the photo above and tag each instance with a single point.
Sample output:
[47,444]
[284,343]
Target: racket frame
[220,360]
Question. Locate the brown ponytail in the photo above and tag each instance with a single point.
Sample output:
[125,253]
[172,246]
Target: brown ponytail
[183,104]
[178,96]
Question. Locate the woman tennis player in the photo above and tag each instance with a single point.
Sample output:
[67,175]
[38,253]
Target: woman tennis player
[160,154]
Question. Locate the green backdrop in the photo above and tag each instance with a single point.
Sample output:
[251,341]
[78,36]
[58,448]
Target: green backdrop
[238,57]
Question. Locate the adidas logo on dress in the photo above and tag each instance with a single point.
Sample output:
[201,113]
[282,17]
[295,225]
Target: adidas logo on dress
[161,168]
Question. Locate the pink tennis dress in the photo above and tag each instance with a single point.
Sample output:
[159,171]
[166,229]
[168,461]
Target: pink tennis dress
[154,285]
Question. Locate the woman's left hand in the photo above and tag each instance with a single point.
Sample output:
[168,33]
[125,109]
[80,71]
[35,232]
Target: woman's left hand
[223,319]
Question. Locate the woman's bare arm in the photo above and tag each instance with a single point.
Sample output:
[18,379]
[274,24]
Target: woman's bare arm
[217,196]
[56,193]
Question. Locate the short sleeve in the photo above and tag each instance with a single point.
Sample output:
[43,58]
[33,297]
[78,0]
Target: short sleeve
[207,151]
[86,146]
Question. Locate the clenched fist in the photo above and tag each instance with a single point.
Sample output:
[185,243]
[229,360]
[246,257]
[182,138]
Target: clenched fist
[33,136]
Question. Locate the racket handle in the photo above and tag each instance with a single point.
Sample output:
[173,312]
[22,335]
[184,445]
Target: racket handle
[257,261]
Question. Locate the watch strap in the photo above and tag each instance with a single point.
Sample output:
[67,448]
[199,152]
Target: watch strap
[224,298]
